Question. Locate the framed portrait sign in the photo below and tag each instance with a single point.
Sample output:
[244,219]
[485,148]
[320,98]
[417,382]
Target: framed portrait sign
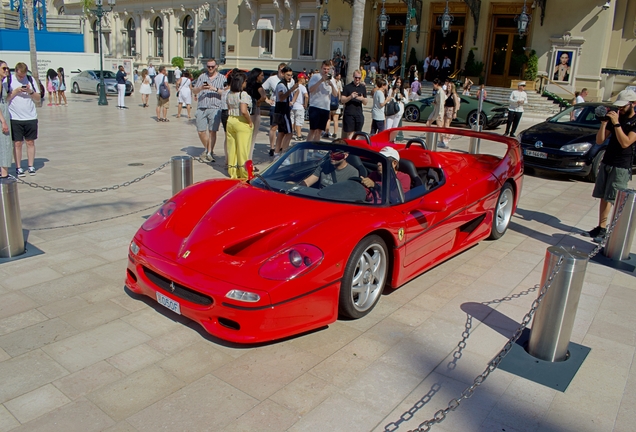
[563,66]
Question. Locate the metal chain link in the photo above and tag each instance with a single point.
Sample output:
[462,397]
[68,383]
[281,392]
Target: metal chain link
[453,404]
[104,189]
[95,221]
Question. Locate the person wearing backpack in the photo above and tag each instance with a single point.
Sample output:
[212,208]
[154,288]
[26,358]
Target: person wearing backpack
[22,95]
[163,95]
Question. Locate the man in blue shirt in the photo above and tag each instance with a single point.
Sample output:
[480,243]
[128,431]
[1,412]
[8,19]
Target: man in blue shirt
[121,87]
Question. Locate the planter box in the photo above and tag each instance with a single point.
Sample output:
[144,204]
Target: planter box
[530,85]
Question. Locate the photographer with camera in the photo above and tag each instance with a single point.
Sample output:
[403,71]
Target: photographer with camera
[321,87]
[616,167]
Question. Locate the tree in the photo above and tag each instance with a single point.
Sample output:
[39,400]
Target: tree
[355,41]
[30,24]
[532,67]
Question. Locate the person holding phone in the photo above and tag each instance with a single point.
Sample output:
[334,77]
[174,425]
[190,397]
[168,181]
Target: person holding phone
[209,89]
[321,87]
[353,96]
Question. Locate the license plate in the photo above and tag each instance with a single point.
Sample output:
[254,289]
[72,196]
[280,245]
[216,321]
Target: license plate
[536,154]
[169,303]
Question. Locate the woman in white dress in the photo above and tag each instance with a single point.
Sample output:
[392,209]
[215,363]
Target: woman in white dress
[6,143]
[144,90]
[184,90]
[401,96]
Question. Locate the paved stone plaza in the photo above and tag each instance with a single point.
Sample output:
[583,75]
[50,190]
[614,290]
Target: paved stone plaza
[77,353]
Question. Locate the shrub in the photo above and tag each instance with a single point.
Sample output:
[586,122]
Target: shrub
[195,73]
[178,61]
[473,68]
[532,67]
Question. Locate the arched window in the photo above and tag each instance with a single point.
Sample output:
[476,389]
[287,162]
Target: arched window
[95,27]
[157,28]
[131,38]
[188,37]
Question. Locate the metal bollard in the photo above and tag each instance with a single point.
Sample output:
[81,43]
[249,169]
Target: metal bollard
[554,319]
[473,147]
[11,238]
[182,175]
[620,240]
[431,140]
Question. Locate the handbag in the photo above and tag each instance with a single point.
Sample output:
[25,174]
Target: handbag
[164,91]
[392,108]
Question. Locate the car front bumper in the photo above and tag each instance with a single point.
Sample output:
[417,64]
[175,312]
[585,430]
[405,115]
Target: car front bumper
[556,160]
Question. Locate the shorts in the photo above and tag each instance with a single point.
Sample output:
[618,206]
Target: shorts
[298,117]
[208,119]
[283,118]
[449,112]
[224,116]
[352,123]
[336,112]
[609,180]
[273,119]
[24,130]
[163,103]
[318,118]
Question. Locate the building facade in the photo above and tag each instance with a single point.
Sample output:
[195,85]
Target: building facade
[587,43]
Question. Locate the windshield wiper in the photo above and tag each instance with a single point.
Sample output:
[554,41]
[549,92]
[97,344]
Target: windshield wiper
[261,178]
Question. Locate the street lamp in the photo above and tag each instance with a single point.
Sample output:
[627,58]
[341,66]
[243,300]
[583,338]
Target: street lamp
[222,39]
[445,20]
[324,20]
[99,13]
[383,20]
[522,21]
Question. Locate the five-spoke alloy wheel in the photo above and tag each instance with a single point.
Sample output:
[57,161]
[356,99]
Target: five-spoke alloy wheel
[503,212]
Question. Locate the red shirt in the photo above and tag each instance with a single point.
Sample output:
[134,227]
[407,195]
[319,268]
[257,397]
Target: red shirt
[403,178]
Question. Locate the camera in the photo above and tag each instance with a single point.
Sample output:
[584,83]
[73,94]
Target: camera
[601,112]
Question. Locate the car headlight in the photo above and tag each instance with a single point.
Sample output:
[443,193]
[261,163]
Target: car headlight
[291,262]
[576,148]
[244,296]
[134,248]
[160,216]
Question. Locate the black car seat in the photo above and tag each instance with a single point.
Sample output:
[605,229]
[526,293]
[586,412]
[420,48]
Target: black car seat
[417,185]
[355,162]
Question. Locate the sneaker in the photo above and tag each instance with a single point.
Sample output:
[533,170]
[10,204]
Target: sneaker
[512,135]
[271,152]
[276,157]
[31,171]
[334,136]
[211,157]
[19,172]
[599,238]
[326,135]
[595,232]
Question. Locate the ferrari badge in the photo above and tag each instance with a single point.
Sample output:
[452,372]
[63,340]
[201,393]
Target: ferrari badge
[400,234]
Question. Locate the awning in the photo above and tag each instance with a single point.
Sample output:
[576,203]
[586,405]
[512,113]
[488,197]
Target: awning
[265,24]
[306,23]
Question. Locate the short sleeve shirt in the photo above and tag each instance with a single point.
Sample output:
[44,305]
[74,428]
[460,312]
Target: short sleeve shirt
[354,107]
[615,154]
[377,112]
[300,100]
[234,101]
[21,106]
[208,98]
[321,98]
[325,174]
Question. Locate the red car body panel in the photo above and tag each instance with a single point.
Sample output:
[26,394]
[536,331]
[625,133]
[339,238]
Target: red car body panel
[223,231]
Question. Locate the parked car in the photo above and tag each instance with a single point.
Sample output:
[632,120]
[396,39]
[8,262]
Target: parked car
[250,279]
[88,82]
[493,114]
[566,142]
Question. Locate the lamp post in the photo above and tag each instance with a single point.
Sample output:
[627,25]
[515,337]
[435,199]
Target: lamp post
[222,39]
[523,20]
[445,20]
[324,19]
[99,13]
[410,13]
[383,20]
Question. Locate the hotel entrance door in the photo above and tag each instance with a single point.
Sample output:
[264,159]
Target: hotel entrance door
[507,52]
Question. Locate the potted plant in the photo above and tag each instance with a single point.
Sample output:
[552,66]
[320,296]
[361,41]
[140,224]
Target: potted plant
[473,69]
[530,74]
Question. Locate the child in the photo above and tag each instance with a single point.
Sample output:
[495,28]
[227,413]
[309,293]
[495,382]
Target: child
[301,101]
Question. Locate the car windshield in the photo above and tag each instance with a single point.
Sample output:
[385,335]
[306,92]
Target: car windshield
[107,74]
[332,171]
[577,116]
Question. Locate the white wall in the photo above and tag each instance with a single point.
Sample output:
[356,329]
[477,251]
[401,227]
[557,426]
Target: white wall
[72,63]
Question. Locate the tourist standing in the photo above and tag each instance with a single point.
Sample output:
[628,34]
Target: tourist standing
[382,64]
[184,94]
[393,61]
[379,101]
[162,103]
[239,126]
[416,89]
[22,95]
[437,116]
[177,73]
[400,95]
[353,96]
[144,89]
[425,66]
[301,101]
[254,88]
[6,144]
[334,114]
[451,106]
[518,99]
[283,111]
[321,87]
[52,84]
[152,73]
[270,88]
[209,88]
[61,92]
[121,87]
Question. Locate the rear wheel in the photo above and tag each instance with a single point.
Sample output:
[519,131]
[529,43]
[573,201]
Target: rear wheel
[596,165]
[76,88]
[503,212]
[474,119]
[412,113]
[364,278]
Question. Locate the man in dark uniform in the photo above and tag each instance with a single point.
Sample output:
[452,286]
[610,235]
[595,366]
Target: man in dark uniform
[616,168]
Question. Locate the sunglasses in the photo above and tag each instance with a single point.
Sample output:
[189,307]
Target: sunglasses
[211,67]
[5,68]
[337,156]
[355,77]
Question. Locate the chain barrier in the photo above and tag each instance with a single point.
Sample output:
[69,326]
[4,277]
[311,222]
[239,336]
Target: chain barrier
[453,404]
[104,189]
[95,221]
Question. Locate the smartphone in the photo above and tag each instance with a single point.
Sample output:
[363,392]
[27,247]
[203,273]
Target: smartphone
[24,87]
[329,76]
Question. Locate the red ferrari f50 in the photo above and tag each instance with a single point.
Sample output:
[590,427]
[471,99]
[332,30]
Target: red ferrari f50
[259,260]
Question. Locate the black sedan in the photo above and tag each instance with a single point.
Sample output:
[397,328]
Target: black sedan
[565,143]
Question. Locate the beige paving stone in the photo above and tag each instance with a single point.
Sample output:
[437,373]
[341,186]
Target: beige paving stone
[304,393]
[207,404]
[7,421]
[89,347]
[27,372]
[122,426]
[135,358]
[574,419]
[266,416]
[340,369]
[174,340]
[135,392]
[29,278]
[3,355]
[105,292]
[61,307]
[78,416]
[125,301]
[338,413]
[88,380]
[411,315]
[94,315]
[261,373]
[325,342]
[80,264]
[14,303]
[36,336]
[62,288]
[151,322]
[20,321]
[195,361]
[115,270]
[36,403]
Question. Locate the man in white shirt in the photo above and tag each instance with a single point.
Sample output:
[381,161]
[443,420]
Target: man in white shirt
[435,66]
[162,104]
[446,66]
[301,101]
[518,98]
[393,60]
[22,95]
[383,61]
[579,100]
[152,73]
[177,73]
[321,87]
[270,88]
[427,63]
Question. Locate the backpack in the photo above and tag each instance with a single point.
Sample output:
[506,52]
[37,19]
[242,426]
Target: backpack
[164,91]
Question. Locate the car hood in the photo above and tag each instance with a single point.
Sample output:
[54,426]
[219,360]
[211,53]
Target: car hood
[555,135]
[241,229]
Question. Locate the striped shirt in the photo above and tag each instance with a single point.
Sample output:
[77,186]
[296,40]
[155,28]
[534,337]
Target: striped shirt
[209,98]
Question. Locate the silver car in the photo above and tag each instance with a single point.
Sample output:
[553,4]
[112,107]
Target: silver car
[88,82]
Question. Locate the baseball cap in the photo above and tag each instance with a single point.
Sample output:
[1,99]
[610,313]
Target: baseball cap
[390,152]
[625,97]
[521,83]
[301,75]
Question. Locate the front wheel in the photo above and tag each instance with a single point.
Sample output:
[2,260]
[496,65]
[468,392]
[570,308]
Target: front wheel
[76,88]
[503,212]
[364,278]
[474,119]
[412,114]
